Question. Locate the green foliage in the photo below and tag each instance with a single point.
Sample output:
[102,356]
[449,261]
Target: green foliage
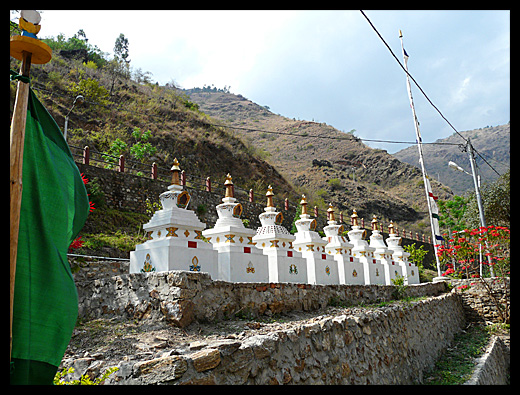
[416,254]
[296,218]
[116,149]
[152,207]
[335,183]
[141,148]
[451,213]
[84,379]
[457,362]
[78,41]
[401,289]
[121,49]
[91,89]
[496,202]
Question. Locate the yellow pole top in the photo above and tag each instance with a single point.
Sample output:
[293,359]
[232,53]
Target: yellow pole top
[28,42]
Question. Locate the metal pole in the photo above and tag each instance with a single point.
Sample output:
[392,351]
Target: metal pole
[479,200]
[475,181]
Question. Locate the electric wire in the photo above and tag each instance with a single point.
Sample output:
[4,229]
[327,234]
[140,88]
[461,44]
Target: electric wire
[424,93]
[346,138]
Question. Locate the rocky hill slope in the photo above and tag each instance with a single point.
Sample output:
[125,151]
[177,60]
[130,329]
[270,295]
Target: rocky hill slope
[492,142]
[178,129]
[328,165]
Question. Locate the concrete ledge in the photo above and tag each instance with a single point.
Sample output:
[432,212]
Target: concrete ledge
[492,367]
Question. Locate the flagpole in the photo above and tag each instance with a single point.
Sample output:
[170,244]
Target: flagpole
[28,49]
[419,147]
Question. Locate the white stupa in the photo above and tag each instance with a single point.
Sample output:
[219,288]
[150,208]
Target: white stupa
[350,269]
[407,269]
[285,264]
[373,268]
[174,234]
[238,259]
[321,267]
[383,253]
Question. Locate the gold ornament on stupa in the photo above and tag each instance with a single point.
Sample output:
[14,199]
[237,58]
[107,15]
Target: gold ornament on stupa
[354,218]
[229,186]
[374,222]
[176,172]
[303,203]
[269,195]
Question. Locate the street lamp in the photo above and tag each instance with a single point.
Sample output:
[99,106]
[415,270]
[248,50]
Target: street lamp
[476,181]
[80,99]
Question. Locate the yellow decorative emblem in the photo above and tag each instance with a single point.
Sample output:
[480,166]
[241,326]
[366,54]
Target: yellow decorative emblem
[171,231]
[147,267]
[195,267]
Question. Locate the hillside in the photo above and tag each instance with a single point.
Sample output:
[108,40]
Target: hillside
[328,165]
[177,127]
[493,142]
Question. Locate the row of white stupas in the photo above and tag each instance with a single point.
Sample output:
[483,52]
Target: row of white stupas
[177,241]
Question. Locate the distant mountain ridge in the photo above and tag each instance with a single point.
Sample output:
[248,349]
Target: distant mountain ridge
[492,142]
[339,169]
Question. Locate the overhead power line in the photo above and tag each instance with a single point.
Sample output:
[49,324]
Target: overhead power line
[424,93]
[346,138]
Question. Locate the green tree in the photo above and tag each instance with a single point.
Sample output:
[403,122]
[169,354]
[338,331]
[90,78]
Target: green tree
[495,201]
[121,51]
[142,148]
[91,89]
[451,213]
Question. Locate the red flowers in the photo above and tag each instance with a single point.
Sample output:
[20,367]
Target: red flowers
[77,243]
[466,246]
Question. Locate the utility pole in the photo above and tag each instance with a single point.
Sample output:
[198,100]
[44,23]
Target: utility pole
[475,180]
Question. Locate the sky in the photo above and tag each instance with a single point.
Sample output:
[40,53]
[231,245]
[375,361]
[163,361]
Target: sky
[324,66]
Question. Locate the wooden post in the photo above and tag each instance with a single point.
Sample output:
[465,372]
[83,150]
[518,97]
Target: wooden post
[28,50]
[86,155]
[154,171]
[208,184]
[251,196]
[121,164]
[15,171]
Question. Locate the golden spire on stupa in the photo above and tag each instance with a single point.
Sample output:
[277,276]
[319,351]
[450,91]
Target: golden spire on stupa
[392,229]
[374,222]
[330,211]
[175,172]
[270,195]
[229,186]
[354,218]
[303,203]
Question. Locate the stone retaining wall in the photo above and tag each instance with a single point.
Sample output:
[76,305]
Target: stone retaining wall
[479,306]
[389,345]
[182,296]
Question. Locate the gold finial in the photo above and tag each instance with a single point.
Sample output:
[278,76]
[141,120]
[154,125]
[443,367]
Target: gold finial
[175,172]
[304,205]
[354,218]
[270,195]
[400,33]
[330,212]
[374,222]
[392,229]
[229,186]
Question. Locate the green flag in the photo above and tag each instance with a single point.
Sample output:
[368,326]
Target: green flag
[54,208]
